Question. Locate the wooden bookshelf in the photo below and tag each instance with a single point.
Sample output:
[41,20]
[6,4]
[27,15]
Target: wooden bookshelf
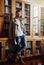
[19,7]
[27,19]
[2,46]
[42,27]
[38,47]
[7,17]
[25,11]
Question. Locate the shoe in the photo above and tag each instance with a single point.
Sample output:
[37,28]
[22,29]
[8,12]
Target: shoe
[17,59]
[21,60]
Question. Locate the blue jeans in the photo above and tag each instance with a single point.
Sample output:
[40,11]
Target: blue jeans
[21,42]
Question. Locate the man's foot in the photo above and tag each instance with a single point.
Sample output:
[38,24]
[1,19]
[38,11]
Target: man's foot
[16,59]
[21,60]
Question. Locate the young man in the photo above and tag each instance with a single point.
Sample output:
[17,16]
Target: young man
[19,36]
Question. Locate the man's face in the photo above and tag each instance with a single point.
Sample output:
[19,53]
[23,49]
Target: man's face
[17,14]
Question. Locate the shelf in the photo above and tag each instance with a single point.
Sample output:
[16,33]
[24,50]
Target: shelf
[42,31]
[37,51]
[7,22]
[18,7]
[5,14]
[3,39]
[18,3]
[38,46]
[7,5]
[1,15]
[28,51]
[3,60]
[7,2]
[6,27]
[28,47]
[26,9]
[37,54]
[26,16]
[26,23]
[29,55]
[42,24]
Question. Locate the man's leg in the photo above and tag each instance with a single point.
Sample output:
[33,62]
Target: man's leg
[23,44]
[18,40]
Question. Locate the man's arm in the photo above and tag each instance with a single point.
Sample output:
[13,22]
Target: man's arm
[22,26]
[15,22]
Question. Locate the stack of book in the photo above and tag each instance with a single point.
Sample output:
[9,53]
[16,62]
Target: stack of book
[28,52]
[29,44]
[6,2]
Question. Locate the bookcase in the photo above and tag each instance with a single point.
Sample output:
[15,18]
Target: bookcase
[42,22]
[42,46]
[7,17]
[19,6]
[27,19]
[29,48]
[10,7]
[38,47]
[2,49]
[42,27]
[33,48]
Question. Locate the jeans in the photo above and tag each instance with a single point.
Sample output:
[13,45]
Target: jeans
[21,42]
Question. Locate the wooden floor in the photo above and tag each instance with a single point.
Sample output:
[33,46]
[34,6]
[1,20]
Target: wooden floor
[27,62]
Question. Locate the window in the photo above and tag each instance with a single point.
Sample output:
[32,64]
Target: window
[35,20]
[35,11]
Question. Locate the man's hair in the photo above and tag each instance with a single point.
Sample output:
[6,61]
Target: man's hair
[17,12]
